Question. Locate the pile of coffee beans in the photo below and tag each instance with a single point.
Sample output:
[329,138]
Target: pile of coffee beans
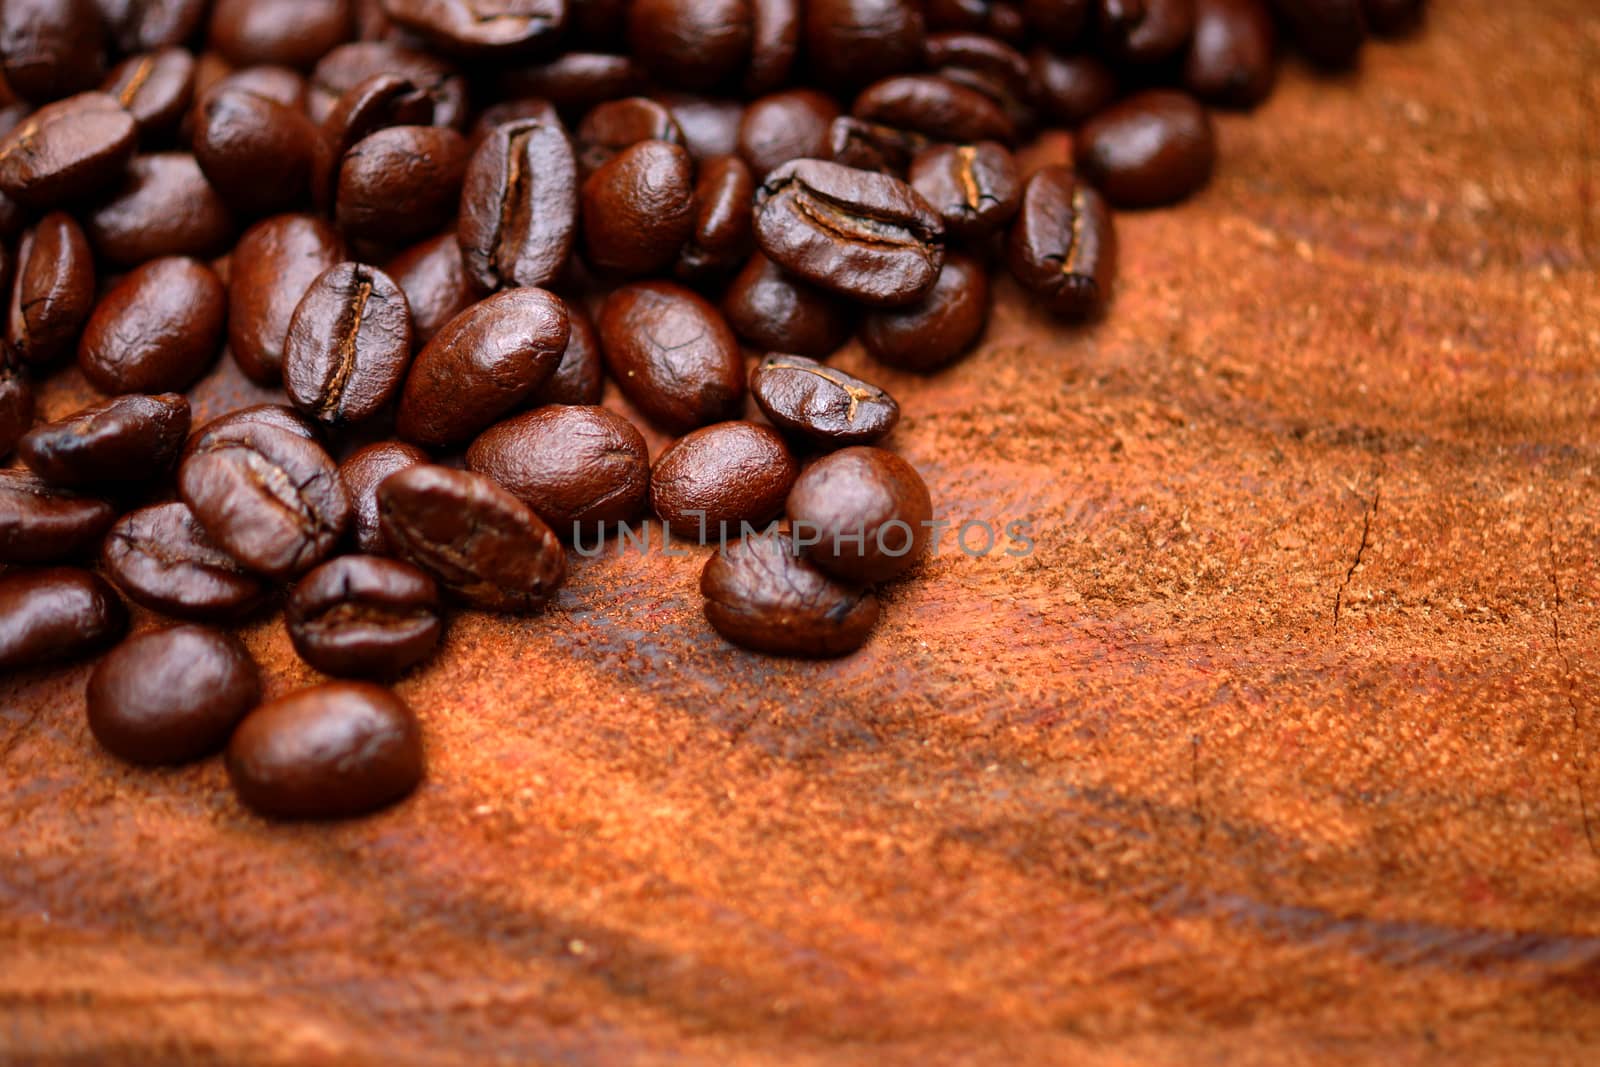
[439,227]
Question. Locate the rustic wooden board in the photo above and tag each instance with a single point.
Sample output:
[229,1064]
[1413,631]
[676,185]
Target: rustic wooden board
[1282,746]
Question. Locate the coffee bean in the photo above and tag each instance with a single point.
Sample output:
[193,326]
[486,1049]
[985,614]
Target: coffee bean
[161,558]
[257,153]
[868,146]
[272,500]
[519,204]
[721,237]
[774,44]
[150,25]
[433,276]
[475,28]
[330,752]
[53,293]
[1061,22]
[1145,32]
[171,696]
[691,44]
[50,48]
[155,88]
[155,331]
[127,440]
[974,188]
[164,207]
[715,478]
[866,513]
[401,183]
[1151,149]
[937,329]
[522,109]
[274,415]
[41,524]
[350,64]
[349,345]
[760,595]
[772,311]
[56,615]
[364,617]
[610,127]
[1233,58]
[638,209]
[575,466]
[288,87]
[16,405]
[481,543]
[361,474]
[866,236]
[1330,32]
[1069,90]
[794,124]
[580,377]
[935,107]
[851,42]
[66,151]
[270,270]
[821,405]
[710,124]
[1063,246]
[980,61]
[482,364]
[292,33]
[373,104]
[576,81]
[672,355]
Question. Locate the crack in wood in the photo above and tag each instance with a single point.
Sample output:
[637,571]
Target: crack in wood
[1361,549]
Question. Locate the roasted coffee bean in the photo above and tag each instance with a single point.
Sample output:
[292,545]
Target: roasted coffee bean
[149,25]
[1330,32]
[794,124]
[55,615]
[1391,17]
[575,466]
[1063,247]
[868,146]
[66,151]
[53,293]
[1070,90]
[482,544]
[292,33]
[638,210]
[118,442]
[1233,58]
[866,236]
[283,84]
[672,355]
[1061,22]
[373,104]
[171,696]
[351,64]
[761,595]
[610,127]
[862,514]
[772,311]
[519,206]
[155,88]
[161,558]
[851,42]
[155,331]
[361,474]
[950,15]
[272,500]
[527,108]
[482,364]
[721,238]
[974,188]
[164,207]
[50,48]
[979,60]
[330,752]
[364,617]
[935,107]
[1145,32]
[401,183]
[1151,149]
[937,329]
[821,405]
[774,44]
[275,415]
[257,153]
[476,28]
[273,265]
[16,405]
[433,276]
[714,479]
[580,377]
[576,81]
[41,524]
[349,345]
[710,125]
[691,44]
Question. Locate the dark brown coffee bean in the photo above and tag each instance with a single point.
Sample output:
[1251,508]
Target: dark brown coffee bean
[56,615]
[127,440]
[849,43]
[949,15]
[66,151]
[1145,32]
[713,479]
[272,500]
[361,474]
[527,108]
[332,752]
[257,153]
[980,61]
[171,696]
[482,364]
[50,48]
[1151,149]
[155,88]
[519,206]
[771,311]
[1070,90]
[861,514]
[161,558]
[974,188]
[349,345]
[672,355]
[164,207]
[42,524]
[481,27]
[155,331]
[691,44]
[53,293]
[1061,22]
[580,377]
[794,124]
[401,184]
[16,405]
[761,595]
[1063,245]
[150,25]
[275,415]
[866,236]
[575,466]
[1233,59]
[722,236]
[273,265]
[351,64]
[937,329]
[638,210]
[868,146]
[774,44]
[1330,32]
[710,125]
[821,405]
[377,103]
[482,544]
[610,127]
[291,33]
[283,84]
[935,107]
[364,617]
[576,81]
[433,276]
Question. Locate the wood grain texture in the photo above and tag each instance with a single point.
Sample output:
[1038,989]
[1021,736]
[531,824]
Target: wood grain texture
[1282,746]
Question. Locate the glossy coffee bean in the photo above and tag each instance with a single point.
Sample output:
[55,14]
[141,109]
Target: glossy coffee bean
[42,524]
[482,364]
[291,33]
[155,88]
[161,558]
[275,415]
[348,347]
[364,617]
[257,153]
[53,292]
[952,15]
[374,104]
[155,331]
[1151,149]
[16,405]
[610,127]
[575,466]
[272,500]
[517,109]
[691,44]
[149,25]
[56,615]
[481,543]
[761,595]
[772,311]
[937,329]
[1063,245]
[865,236]
[722,235]
[713,479]
[1070,90]
[269,271]
[869,146]
[50,48]
[672,354]
[580,376]
[1062,23]
[331,752]
[433,275]
[361,473]
[979,60]
[866,513]
[819,405]
[473,28]
[401,183]
[710,124]
[935,107]
[574,82]
[774,44]
[171,696]
[1330,32]
[282,84]
[638,210]
[974,188]
[849,43]
[1232,60]
[1145,32]
[164,207]
[68,150]
[793,124]
[116,443]
[350,64]
[519,205]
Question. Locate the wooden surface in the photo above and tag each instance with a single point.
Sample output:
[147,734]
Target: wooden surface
[1283,745]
